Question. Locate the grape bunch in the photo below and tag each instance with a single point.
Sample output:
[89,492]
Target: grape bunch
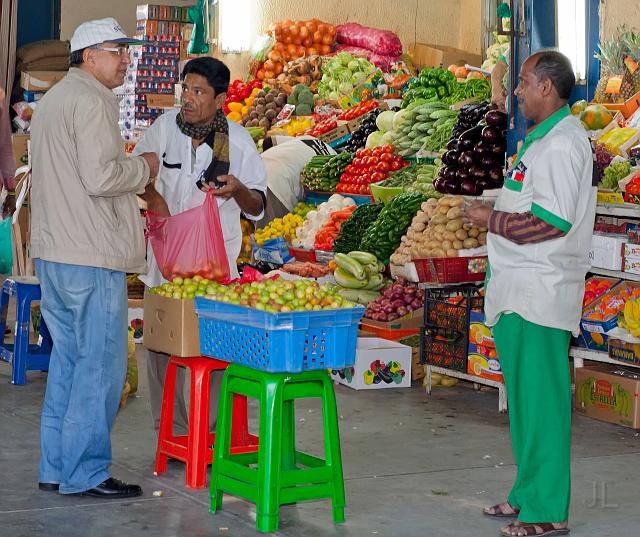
[614,172]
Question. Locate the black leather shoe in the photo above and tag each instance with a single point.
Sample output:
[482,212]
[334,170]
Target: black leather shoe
[113,489]
[49,487]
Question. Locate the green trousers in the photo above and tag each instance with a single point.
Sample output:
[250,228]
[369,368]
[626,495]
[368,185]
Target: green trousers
[535,363]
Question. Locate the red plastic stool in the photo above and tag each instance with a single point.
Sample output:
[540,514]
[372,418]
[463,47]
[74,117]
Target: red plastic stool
[195,448]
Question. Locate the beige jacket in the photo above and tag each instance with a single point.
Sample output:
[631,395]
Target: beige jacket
[84,208]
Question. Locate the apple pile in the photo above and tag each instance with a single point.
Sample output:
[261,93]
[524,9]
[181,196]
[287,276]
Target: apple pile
[184,288]
[280,295]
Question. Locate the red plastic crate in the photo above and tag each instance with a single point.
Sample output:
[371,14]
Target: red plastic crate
[451,269]
[302,254]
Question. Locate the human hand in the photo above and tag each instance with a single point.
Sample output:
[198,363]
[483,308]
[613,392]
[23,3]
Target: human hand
[477,214]
[154,163]
[9,206]
[232,186]
[155,202]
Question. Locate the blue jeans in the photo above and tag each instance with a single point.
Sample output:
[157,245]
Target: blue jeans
[85,309]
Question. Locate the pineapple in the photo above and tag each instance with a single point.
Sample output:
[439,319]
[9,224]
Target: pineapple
[611,56]
[631,41]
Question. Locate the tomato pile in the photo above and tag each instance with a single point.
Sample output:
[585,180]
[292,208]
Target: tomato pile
[369,166]
[322,128]
[359,110]
[239,91]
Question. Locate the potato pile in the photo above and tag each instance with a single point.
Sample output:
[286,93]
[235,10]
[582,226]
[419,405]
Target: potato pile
[266,107]
[438,231]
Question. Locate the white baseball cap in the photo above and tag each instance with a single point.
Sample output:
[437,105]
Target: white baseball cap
[99,31]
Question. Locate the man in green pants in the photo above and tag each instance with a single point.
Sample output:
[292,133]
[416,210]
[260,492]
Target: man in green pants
[539,238]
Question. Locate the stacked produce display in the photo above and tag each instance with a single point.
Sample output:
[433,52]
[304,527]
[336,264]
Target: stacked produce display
[369,166]
[341,74]
[284,227]
[397,300]
[266,106]
[323,172]
[475,157]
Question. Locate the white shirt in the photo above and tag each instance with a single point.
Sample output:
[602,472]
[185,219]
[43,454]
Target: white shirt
[176,181]
[284,163]
[544,282]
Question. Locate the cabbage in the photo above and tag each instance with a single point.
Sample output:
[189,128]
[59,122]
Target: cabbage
[358,77]
[344,58]
[388,138]
[334,96]
[374,139]
[353,65]
[345,88]
[397,119]
[384,121]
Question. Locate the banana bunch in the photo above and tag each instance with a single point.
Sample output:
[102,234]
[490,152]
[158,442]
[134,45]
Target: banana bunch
[632,317]
[622,401]
[583,392]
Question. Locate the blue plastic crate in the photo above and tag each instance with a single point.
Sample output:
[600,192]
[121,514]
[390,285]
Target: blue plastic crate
[278,342]
[317,198]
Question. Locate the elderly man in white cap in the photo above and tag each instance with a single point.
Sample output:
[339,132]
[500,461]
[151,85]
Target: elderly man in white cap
[86,234]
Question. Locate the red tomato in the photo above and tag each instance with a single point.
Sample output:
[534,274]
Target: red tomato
[378,151]
[363,189]
[339,187]
[376,177]
[394,166]
[386,157]
[389,148]
[382,166]
[360,153]
[349,169]
[405,164]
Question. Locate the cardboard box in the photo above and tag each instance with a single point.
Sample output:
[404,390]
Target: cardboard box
[631,250]
[403,327]
[483,359]
[609,393]
[379,364]
[631,265]
[624,352]
[161,101]
[171,326]
[627,108]
[424,55]
[20,146]
[40,80]
[336,134]
[606,251]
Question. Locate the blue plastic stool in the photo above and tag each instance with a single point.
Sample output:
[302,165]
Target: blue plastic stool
[21,355]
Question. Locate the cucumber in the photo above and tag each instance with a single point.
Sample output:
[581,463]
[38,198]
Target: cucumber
[424,127]
[443,113]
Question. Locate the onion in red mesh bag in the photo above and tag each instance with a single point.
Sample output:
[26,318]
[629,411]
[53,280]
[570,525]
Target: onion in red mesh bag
[378,41]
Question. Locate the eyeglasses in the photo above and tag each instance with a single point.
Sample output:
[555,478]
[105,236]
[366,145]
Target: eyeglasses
[120,51]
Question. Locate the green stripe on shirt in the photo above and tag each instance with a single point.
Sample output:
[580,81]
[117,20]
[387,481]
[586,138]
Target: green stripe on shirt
[550,218]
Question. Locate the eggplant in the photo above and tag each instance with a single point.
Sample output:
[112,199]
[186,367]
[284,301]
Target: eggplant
[496,119]
[488,161]
[452,144]
[481,151]
[472,134]
[468,187]
[449,172]
[499,148]
[466,158]
[478,172]
[491,134]
[449,186]
[438,184]
[484,184]
[495,174]
[466,144]
[462,174]
[451,157]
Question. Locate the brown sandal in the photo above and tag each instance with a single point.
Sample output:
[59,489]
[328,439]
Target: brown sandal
[538,529]
[498,512]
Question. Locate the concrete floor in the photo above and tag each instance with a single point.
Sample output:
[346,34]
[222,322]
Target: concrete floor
[414,466]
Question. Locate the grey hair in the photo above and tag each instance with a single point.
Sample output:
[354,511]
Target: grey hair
[555,66]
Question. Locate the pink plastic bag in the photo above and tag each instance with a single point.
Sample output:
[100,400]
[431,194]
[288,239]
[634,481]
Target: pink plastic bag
[379,41]
[190,243]
[379,60]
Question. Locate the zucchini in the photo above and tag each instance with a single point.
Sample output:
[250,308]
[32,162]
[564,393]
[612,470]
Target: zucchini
[443,113]
[351,266]
[364,258]
[344,279]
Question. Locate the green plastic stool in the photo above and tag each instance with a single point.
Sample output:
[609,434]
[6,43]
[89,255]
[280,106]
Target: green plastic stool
[277,474]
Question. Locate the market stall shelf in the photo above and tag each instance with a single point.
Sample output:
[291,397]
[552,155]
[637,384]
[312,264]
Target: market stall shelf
[615,274]
[477,382]
[579,355]
[629,210]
